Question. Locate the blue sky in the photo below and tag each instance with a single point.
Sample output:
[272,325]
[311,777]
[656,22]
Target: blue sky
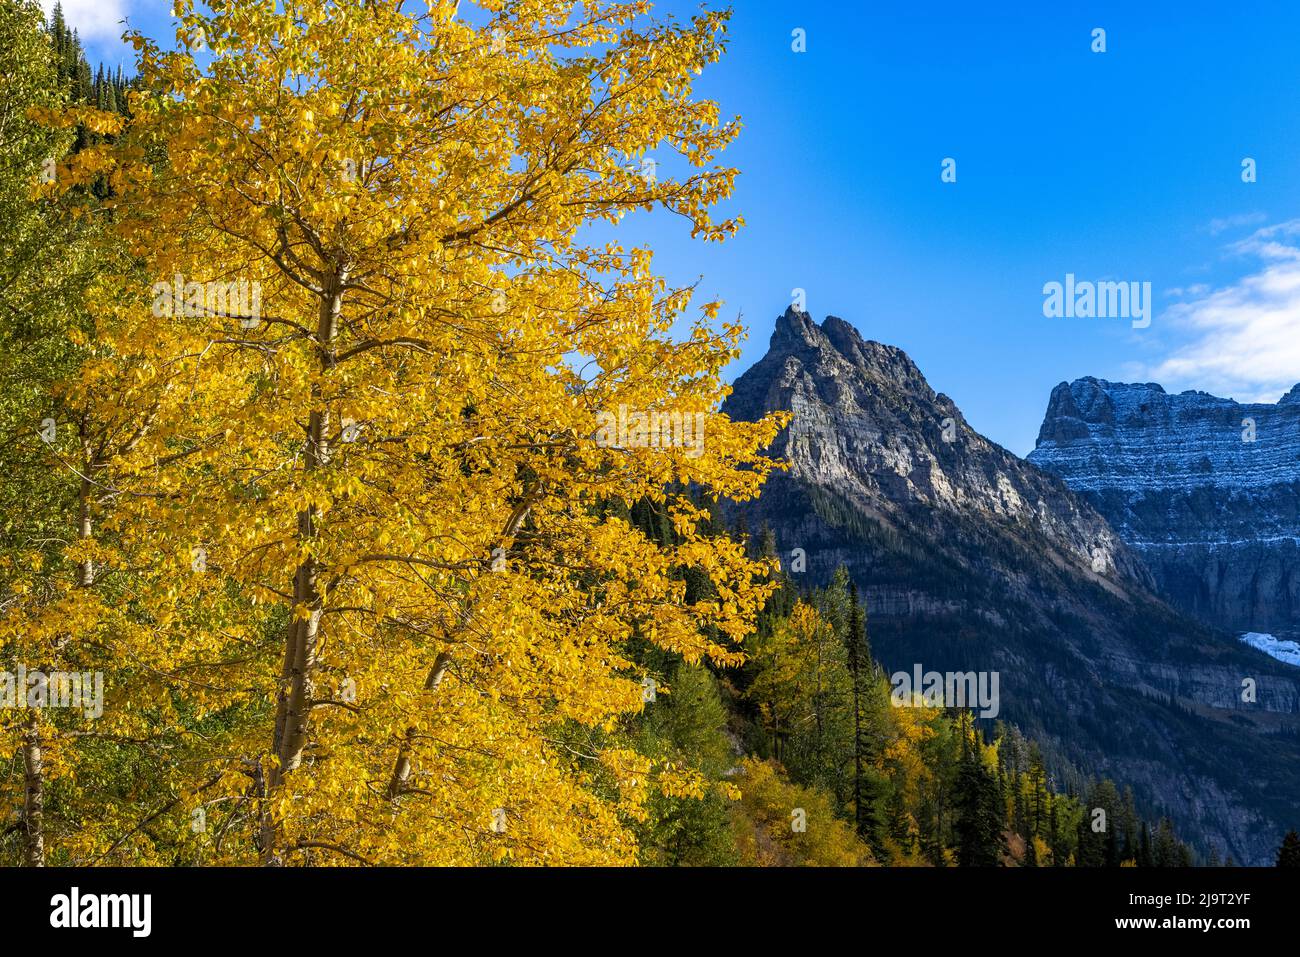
[1123,165]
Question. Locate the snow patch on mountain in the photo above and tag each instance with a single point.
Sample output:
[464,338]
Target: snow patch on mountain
[1279,648]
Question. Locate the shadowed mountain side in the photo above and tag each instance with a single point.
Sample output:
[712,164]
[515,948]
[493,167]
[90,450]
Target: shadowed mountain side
[1206,490]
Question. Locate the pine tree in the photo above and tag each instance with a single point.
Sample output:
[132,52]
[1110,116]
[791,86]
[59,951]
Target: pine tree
[979,825]
[1038,790]
[1056,838]
[688,726]
[1167,852]
[868,815]
[1288,854]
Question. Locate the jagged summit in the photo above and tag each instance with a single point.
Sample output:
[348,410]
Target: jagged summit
[796,331]
[793,326]
[1089,402]
[839,354]
[1106,384]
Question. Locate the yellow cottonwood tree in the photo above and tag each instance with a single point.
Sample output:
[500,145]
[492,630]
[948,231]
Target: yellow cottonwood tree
[390,354]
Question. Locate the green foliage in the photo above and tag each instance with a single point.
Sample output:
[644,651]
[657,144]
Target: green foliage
[688,726]
[915,785]
[980,822]
[1288,855]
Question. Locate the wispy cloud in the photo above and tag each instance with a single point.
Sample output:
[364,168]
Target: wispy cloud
[1239,221]
[1243,339]
[96,21]
[1179,292]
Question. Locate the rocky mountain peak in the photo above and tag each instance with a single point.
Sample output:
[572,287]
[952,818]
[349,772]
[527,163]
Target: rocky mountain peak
[869,426]
[794,330]
[835,351]
[1205,489]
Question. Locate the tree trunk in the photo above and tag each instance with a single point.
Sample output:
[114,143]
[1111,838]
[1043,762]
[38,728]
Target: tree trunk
[297,690]
[86,570]
[402,766]
[90,464]
[34,792]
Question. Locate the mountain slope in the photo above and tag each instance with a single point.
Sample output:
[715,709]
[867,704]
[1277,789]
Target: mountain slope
[970,558]
[1205,489]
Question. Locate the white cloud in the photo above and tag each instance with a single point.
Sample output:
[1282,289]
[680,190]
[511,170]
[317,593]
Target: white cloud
[1217,226]
[1243,340]
[1178,292]
[96,21]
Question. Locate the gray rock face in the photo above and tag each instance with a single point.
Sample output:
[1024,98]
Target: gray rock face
[868,426]
[969,558]
[1205,490]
